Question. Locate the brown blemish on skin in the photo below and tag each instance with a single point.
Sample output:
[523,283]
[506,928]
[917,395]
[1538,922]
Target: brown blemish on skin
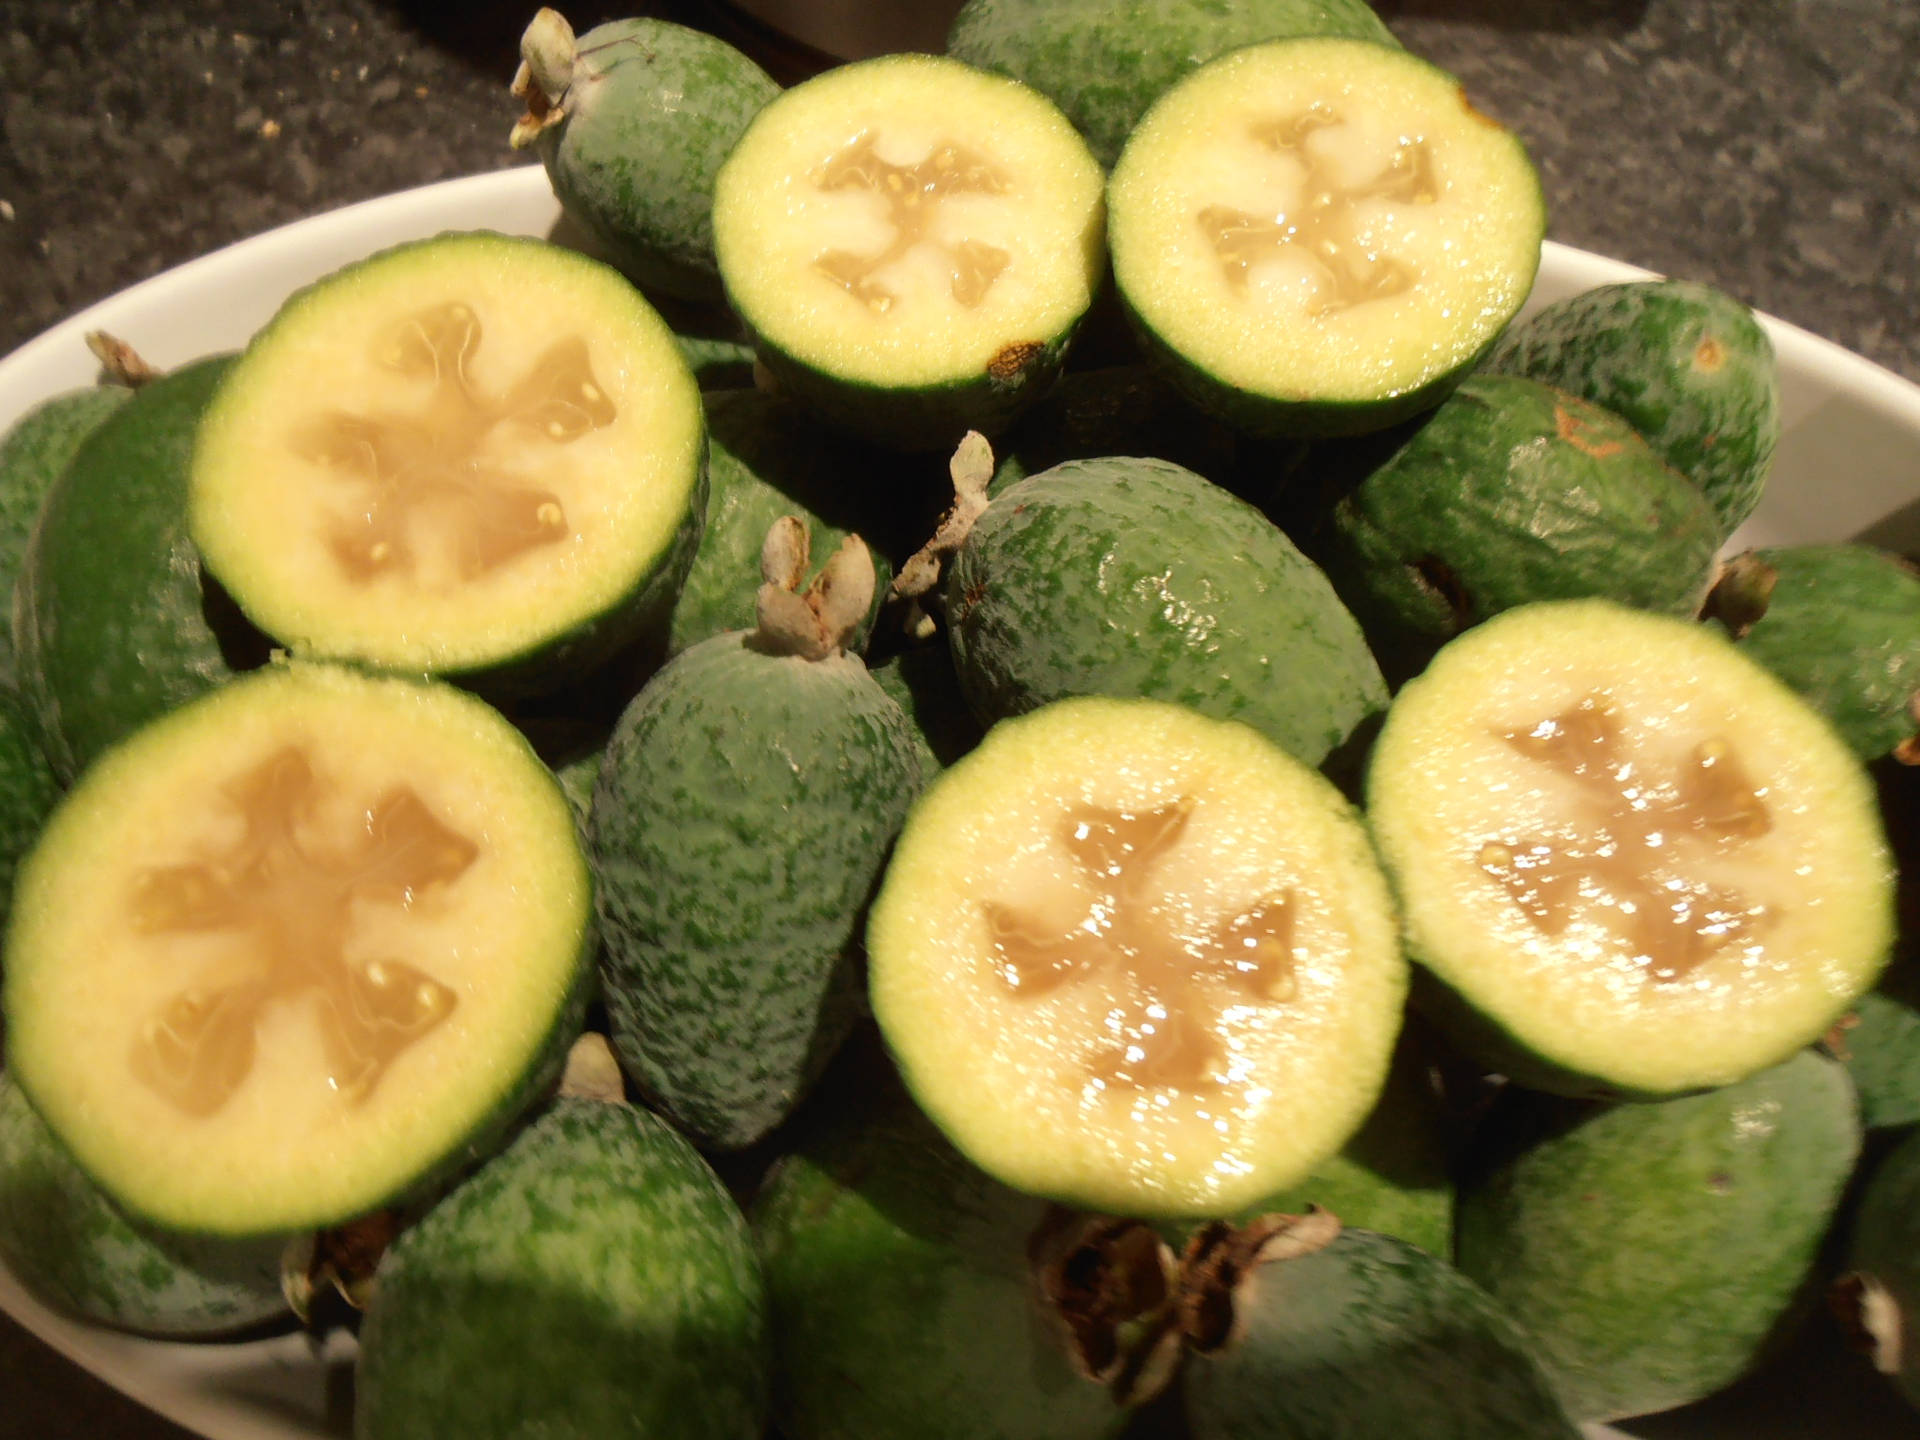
[1709,355]
[1475,112]
[1570,428]
[1013,361]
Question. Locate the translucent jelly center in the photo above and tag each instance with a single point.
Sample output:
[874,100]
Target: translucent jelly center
[1324,225]
[1638,831]
[913,194]
[289,900]
[1169,993]
[437,479]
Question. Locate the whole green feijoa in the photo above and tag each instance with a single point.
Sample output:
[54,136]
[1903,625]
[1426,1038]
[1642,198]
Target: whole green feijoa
[914,1298]
[76,1251]
[1879,1043]
[1686,365]
[1134,577]
[593,1281]
[632,121]
[766,459]
[1882,1291]
[1652,1249]
[34,453]
[1513,492]
[1351,1339]
[1104,63]
[28,790]
[1841,625]
[110,622]
[744,810]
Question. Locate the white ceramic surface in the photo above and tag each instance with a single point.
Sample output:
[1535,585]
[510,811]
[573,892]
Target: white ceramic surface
[1848,467]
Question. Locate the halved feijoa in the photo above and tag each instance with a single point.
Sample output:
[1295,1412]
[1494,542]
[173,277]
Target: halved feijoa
[1318,236]
[296,949]
[1635,861]
[473,456]
[912,242]
[1137,960]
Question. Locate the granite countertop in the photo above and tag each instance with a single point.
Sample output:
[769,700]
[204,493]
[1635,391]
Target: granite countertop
[1770,147]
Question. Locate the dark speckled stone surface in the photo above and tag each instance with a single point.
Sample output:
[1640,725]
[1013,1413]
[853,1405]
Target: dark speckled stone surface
[1771,147]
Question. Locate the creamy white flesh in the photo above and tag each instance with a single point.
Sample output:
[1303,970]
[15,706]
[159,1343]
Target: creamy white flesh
[448,455]
[901,222]
[1630,846]
[283,951]
[1137,960]
[1323,219]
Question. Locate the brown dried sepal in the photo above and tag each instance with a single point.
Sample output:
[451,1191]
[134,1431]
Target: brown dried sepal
[592,1072]
[1221,1257]
[819,621]
[120,360]
[1741,594]
[1107,1286]
[341,1261]
[971,469]
[1834,1042]
[1870,1318]
[544,77]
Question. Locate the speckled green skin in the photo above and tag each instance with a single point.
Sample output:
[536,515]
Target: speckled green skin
[718,364]
[902,1299]
[28,790]
[73,1249]
[922,683]
[653,109]
[745,808]
[1490,504]
[1367,1338]
[1123,410]
[1886,1246]
[34,454]
[1842,628]
[1650,1249]
[1881,1050]
[109,620]
[1104,63]
[1135,577]
[764,461]
[1635,348]
[593,1281]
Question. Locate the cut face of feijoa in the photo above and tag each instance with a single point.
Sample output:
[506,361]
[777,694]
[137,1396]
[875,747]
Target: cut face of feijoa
[1637,862]
[295,948]
[1137,960]
[1317,235]
[466,456]
[911,241]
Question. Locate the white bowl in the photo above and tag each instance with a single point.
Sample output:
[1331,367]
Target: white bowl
[1848,467]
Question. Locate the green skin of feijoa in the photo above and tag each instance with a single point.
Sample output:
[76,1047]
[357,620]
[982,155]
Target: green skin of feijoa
[1369,1337]
[1881,1048]
[28,791]
[1885,1246]
[1513,492]
[745,808]
[764,461]
[1134,577]
[593,1281]
[901,1293]
[1104,63]
[1841,626]
[110,621]
[1686,365]
[652,110]
[34,454]
[921,681]
[77,1252]
[1652,1250]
